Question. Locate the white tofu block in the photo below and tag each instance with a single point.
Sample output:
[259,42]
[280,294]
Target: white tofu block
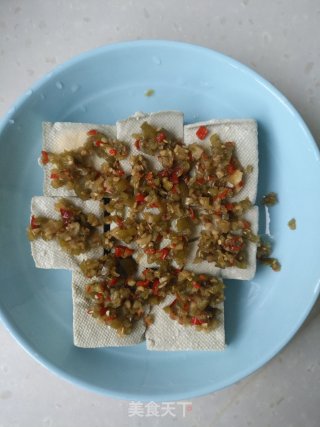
[245,135]
[49,254]
[172,121]
[58,137]
[89,332]
[166,334]
[230,272]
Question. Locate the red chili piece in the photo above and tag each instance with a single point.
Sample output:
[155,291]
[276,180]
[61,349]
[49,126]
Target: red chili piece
[140,198]
[33,223]
[186,306]
[202,132]
[174,178]
[191,213]
[113,281]
[150,251]
[173,303]
[102,311]
[145,271]
[122,251]
[92,132]
[119,251]
[160,137]
[149,178]
[143,283]
[137,144]
[118,221]
[164,253]
[231,168]
[128,252]
[196,321]
[229,206]
[66,215]
[159,238]
[44,157]
[54,175]
[164,173]
[200,181]
[113,152]
[155,286]
[224,194]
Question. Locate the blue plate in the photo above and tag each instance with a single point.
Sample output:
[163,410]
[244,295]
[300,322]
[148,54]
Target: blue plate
[262,315]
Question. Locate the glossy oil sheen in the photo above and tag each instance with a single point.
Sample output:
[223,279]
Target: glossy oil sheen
[109,84]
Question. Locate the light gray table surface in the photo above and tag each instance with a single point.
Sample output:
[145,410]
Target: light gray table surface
[280,40]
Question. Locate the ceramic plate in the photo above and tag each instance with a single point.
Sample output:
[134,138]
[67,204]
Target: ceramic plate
[109,84]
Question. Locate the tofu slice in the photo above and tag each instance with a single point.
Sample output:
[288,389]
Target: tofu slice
[58,137]
[90,333]
[245,134]
[48,254]
[172,121]
[166,334]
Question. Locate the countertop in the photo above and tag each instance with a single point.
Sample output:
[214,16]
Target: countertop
[280,40]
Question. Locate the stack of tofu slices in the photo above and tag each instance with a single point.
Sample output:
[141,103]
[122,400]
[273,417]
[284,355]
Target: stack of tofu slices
[164,333]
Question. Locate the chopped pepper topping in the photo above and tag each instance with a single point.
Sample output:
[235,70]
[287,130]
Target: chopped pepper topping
[292,224]
[264,251]
[149,92]
[270,199]
[75,231]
